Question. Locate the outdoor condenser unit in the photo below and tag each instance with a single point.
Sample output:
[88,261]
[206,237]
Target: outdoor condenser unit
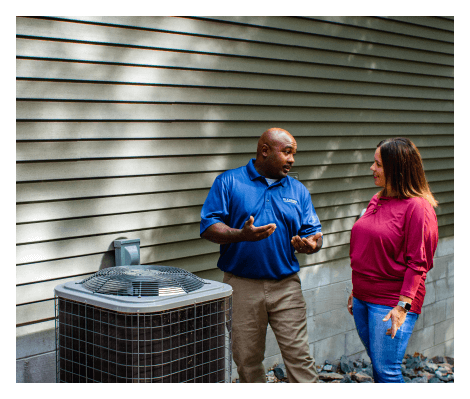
[143,324]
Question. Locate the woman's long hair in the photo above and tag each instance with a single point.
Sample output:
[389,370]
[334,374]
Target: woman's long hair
[403,169]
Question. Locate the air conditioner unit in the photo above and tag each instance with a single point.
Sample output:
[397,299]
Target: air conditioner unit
[143,324]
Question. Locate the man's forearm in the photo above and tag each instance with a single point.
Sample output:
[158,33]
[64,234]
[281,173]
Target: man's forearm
[220,233]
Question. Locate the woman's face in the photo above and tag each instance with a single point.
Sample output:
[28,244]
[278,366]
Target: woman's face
[378,169]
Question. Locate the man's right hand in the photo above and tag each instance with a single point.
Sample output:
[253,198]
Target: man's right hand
[253,233]
[220,233]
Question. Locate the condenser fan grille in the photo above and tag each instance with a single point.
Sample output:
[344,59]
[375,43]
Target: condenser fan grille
[142,281]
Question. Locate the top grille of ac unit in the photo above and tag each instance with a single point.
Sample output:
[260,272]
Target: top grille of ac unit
[142,280]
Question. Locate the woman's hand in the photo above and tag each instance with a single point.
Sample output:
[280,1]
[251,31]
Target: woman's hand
[398,316]
[350,302]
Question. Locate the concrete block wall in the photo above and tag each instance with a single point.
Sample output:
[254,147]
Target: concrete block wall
[434,331]
[331,329]
[35,353]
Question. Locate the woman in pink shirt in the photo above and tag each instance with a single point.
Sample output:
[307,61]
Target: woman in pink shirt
[392,249]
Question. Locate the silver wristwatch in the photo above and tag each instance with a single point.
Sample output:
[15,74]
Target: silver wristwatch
[405,305]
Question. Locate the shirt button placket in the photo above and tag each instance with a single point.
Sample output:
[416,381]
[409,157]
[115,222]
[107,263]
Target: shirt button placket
[268,199]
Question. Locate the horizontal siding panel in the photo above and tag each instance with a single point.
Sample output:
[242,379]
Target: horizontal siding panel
[244,72]
[127,204]
[78,267]
[55,110]
[62,249]
[445,208]
[339,25]
[35,311]
[162,165]
[444,198]
[46,326]
[356,33]
[29,151]
[441,186]
[82,71]
[346,205]
[107,224]
[154,39]
[446,231]
[288,38]
[328,205]
[46,191]
[431,22]
[51,250]
[63,150]
[336,233]
[107,206]
[382,98]
[388,25]
[113,168]
[136,130]
[42,291]
[443,220]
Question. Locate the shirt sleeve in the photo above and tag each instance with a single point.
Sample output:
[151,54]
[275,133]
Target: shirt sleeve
[415,252]
[216,205]
[310,221]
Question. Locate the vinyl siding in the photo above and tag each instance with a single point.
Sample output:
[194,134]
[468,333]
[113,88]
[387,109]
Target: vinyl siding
[123,123]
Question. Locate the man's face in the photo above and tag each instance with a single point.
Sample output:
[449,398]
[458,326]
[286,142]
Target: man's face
[280,157]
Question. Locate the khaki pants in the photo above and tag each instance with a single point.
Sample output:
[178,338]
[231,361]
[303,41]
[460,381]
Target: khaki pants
[281,304]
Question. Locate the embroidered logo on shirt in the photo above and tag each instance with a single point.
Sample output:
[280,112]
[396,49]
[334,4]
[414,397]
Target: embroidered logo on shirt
[292,201]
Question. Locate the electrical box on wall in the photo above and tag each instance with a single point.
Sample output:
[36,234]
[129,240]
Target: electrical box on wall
[127,252]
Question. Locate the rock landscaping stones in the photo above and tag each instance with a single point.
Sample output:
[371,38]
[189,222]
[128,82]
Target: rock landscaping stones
[328,367]
[419,369]
[280,372]
[419,379]
[416,369]
[361,377]
[347,379]
[346,365]
[325,376]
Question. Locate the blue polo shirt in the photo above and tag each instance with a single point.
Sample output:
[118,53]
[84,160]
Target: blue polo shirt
[240,193]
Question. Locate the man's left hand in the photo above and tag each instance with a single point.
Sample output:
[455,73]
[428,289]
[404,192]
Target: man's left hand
[307,245]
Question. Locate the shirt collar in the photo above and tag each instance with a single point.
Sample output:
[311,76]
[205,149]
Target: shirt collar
[253,173]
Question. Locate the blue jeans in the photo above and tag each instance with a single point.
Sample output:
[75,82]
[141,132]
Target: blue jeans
[385,353]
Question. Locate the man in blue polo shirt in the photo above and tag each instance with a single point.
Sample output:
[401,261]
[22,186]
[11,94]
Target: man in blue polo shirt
[259,262]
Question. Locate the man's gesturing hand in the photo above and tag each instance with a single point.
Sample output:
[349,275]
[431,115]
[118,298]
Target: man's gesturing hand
[307,245]
[252,233]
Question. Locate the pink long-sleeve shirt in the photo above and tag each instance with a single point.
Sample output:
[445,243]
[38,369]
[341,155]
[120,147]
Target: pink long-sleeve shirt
[392,249]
